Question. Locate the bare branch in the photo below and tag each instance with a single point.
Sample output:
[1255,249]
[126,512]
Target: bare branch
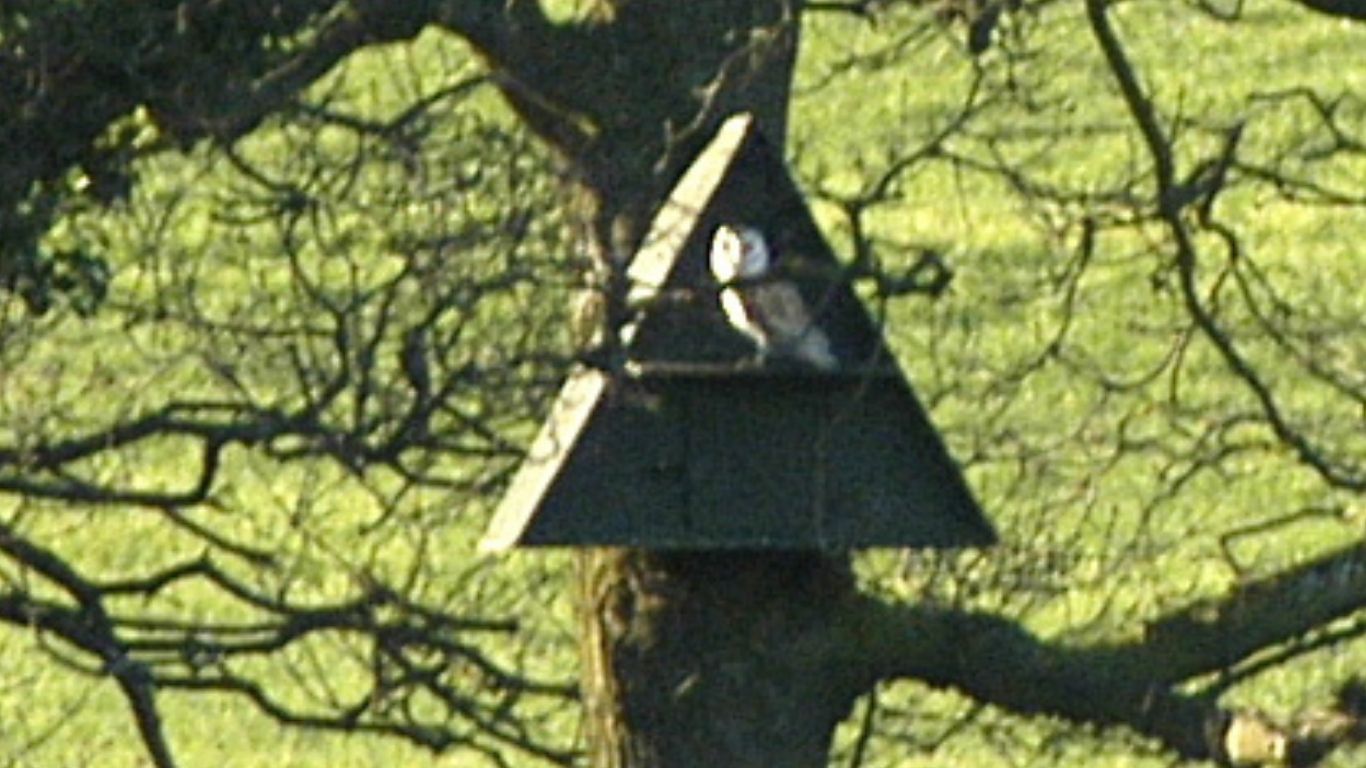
[1346,9]
[1128,684]
[1171,202]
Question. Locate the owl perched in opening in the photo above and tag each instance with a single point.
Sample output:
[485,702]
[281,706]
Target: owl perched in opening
[766,308]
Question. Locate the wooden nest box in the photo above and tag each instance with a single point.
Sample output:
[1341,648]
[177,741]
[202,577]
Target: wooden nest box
[699,442]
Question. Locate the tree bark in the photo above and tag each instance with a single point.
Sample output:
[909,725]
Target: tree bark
[718,659]
[691,658]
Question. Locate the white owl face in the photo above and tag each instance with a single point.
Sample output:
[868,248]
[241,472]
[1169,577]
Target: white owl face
[738,251]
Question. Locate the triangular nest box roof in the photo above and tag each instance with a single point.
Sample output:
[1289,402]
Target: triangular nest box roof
[696,444]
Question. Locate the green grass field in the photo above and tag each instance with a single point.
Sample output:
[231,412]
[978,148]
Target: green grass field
[1107,513]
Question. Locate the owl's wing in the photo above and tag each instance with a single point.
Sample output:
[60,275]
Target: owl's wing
[785,315]
[782,308]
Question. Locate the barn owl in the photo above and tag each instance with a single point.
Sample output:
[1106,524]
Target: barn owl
[767,309]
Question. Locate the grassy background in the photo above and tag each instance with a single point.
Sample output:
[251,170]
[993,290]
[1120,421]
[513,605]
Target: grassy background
[1093,541]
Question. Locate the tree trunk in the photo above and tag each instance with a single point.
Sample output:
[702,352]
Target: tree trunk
[697,658]
[704,658]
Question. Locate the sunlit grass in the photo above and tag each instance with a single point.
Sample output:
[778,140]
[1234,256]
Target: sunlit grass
[1111,541]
